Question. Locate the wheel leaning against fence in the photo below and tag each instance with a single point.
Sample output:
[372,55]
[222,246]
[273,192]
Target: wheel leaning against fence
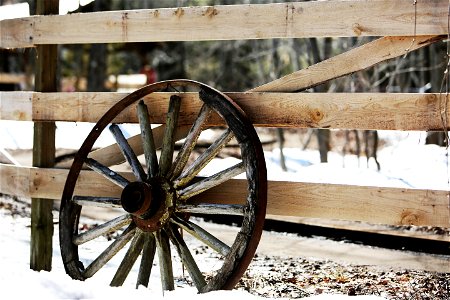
[156,206]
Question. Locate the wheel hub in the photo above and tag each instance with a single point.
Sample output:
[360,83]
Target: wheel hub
[150,204]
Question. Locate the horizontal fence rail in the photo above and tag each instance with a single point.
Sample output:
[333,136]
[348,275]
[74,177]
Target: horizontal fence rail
[393,206]
[382,111]
[232,22]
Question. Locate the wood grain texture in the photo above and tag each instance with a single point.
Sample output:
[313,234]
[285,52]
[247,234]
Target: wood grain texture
[228,22]
[387,111]
[46,80]
[314,200]
[16,106]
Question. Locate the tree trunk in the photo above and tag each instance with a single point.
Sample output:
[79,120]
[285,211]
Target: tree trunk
[97,58]
[323,135]
[437,54]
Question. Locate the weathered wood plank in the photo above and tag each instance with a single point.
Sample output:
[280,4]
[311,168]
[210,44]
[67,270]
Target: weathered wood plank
[357,59]
[228,22]
[381,205]
[387,111]
[315,200]
[43,149]
[16,106]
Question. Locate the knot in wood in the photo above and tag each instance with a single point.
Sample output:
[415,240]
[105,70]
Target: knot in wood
[409,218]
[179,12]
[357,29]
[316,115]
[211,12]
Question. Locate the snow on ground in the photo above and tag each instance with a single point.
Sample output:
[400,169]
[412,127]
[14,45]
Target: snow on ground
[19,282]
[407,163]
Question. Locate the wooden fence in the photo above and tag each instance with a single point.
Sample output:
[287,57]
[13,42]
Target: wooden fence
[403,26]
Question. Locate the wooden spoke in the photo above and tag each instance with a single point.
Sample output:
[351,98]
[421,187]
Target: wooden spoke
[102,229]
[148,255]
[107,172]
[107,202]
[186,257]
[148,140]
[212,181]
[170,177]
[203,235]
[165,260]
[212,209]
[128,152]
[112,250]
[129,259]
[111,155]
[188,174]
[165,161]
[189,143]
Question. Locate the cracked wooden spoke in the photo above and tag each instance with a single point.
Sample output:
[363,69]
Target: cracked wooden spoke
[186,256]
[148,255]
[109,252]
[102,229]
[190,142]
[107,202]
[212,209]
[165,260]
[107,172]
[129,259]
[128,152]
[148,140]
[202,235]
[188,174]
[211,181]
[165,161]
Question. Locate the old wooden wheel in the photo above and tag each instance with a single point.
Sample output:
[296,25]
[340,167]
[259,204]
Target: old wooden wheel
[155,206]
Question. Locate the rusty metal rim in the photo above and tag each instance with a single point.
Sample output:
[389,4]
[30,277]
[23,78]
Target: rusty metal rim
[241,253]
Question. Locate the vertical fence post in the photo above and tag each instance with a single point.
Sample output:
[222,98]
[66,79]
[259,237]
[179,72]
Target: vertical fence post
[43,149]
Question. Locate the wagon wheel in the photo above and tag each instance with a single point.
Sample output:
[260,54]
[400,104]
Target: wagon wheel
[155,206]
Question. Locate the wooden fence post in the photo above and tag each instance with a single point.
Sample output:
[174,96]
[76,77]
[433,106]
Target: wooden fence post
[43,149]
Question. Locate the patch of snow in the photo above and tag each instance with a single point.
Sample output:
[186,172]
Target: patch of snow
[19,282]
